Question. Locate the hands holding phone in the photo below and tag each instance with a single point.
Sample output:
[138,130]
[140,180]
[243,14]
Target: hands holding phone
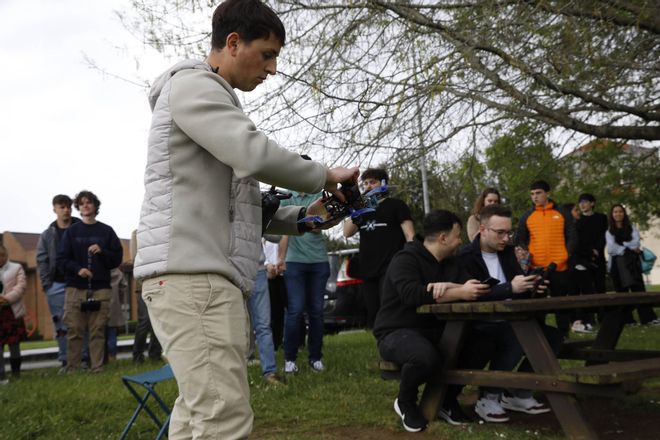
[473,289]
[524,283]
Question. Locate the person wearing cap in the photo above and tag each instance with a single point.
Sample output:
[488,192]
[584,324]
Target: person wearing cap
[589,266]
[591,229]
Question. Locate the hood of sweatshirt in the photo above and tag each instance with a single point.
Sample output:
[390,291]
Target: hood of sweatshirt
[160,82]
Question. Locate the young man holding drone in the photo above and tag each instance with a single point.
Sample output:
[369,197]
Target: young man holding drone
[382,234]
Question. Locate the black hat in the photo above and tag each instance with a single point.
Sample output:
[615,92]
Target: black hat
[588,197]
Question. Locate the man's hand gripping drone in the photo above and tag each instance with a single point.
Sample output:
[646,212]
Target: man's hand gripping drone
[356,205]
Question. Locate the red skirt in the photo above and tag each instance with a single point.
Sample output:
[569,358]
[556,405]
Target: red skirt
[12,330]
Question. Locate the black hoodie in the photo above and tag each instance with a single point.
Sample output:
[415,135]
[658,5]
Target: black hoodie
[404,289]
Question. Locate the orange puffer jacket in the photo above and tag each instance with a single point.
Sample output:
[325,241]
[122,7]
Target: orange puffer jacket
[549,234]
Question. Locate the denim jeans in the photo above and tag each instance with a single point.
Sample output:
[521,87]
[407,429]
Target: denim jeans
[111,341]
[305,285]
[55,297]
[259,309]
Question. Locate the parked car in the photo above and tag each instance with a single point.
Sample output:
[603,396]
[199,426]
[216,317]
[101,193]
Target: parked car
[343,306]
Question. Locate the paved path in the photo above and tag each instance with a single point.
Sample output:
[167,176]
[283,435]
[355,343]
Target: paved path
[47,357]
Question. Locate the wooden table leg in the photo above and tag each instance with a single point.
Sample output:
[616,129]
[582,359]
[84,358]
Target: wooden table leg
[543,360]
[610,330]
[449,346]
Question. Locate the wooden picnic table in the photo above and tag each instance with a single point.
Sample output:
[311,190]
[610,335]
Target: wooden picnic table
[607,371]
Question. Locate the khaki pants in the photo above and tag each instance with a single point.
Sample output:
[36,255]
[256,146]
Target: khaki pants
[202,324]
[79,323]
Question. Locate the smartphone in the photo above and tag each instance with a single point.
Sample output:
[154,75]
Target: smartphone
[544,276]
[491,281]
[536,271]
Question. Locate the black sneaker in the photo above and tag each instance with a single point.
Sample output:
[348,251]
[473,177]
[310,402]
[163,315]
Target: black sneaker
[453,414]
[411,417]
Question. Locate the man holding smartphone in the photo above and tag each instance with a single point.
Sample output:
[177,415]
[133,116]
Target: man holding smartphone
[491,258]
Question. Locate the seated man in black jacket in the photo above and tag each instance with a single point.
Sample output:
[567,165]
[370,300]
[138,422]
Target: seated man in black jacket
[490,255]
[423,272]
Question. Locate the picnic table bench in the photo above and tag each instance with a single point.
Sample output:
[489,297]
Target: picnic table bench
[607,371]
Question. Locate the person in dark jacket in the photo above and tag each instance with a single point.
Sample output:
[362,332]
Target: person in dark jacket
[490,255]
[423,272]
[52,279]
[588,266]
[591,228]
[89,250]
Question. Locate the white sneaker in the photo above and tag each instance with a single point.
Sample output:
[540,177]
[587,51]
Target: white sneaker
[488,408]
[290,367]
[4,382]
[317,366]
[578,327]
[527,405]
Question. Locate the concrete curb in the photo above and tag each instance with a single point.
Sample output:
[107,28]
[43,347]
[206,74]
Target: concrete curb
[37,358]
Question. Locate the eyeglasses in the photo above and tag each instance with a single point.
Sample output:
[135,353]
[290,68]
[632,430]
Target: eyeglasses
[501,233]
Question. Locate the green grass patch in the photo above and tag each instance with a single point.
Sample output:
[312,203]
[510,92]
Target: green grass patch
[350,397]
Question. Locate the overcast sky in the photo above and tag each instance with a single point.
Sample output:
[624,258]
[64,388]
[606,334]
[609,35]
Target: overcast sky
[64,126]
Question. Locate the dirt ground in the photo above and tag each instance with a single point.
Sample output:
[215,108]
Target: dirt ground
[608,419]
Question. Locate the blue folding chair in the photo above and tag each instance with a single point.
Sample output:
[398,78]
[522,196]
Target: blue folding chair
[148,382]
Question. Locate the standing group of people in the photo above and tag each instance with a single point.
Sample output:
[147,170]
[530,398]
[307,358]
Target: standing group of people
[598,234]
[75,260]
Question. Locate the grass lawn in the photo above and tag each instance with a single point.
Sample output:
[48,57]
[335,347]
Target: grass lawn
[348,401]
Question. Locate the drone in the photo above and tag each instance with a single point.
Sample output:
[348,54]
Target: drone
[355,207]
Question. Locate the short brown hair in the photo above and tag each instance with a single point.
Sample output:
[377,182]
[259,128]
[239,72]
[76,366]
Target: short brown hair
[62,199]
[250,19]
[493,210]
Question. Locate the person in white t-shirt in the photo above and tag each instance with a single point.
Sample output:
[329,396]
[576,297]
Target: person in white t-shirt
[491,258]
